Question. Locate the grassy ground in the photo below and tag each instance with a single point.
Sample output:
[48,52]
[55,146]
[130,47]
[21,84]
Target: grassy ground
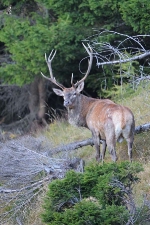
[60,132]
[138,101]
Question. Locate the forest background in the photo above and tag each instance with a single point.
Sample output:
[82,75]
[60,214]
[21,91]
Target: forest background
[29,29]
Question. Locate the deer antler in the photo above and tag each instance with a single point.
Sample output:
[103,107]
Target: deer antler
[49,61]
[90,52]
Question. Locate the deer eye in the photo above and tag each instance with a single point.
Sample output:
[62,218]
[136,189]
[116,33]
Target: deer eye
[74,94]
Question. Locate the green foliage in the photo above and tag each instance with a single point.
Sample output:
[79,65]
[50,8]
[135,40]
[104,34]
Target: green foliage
[25,43]
[91,197]
[7,2]
[66,192]
[88,212]
[109,83]
[136,14]
[27,39]
[99,185]
[35,28]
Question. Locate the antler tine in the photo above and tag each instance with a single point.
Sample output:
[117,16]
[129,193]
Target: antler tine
[73,85]
[53,80]
[90,52]
[49,61]
[51,58]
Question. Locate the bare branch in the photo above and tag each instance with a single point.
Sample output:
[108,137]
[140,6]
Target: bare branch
[138,57]
[128,196]
[138,80]
[24,176]
[90,53]
[107,54]
[18,221]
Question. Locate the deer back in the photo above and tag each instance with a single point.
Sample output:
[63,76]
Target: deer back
[106,117]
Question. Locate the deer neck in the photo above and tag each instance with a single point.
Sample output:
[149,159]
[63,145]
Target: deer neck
[77,115]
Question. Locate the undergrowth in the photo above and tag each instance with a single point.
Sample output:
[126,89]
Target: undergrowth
[138,101]
[60,132]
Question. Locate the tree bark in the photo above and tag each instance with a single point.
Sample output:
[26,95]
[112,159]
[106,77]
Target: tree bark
[23,109]
[37,98]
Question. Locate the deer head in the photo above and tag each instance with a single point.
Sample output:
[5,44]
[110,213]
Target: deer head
[70,95]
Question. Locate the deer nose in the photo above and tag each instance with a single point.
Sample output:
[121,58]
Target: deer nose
[66,103]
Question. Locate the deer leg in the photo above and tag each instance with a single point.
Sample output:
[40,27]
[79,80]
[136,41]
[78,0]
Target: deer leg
[130,144]
[111,144]
[102,155]
[111,139]
[96,141]
[112,151]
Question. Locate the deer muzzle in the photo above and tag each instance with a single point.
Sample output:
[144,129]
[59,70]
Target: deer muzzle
[66,103]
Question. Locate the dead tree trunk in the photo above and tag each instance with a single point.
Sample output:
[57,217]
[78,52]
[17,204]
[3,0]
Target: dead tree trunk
[23,108]
[37,101]
[142,128]
[80,144]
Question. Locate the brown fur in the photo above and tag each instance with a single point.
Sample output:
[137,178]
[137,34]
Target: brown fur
[106,120]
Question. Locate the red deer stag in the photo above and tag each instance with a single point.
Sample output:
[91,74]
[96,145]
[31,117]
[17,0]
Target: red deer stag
[106,120]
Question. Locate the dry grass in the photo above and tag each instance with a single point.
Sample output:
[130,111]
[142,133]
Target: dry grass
[138,102]
[36,210]
[142,189]
[60,132]
[34,214]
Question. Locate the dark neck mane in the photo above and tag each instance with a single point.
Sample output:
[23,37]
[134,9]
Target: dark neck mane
[77,115]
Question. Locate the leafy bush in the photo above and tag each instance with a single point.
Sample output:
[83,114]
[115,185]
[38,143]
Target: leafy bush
[96,196]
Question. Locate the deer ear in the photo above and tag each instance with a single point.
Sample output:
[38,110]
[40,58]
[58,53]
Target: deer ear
[58,92]
[80,87]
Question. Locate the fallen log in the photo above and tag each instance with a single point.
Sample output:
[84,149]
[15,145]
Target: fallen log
[80,144]
[142,128]
[71,146]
